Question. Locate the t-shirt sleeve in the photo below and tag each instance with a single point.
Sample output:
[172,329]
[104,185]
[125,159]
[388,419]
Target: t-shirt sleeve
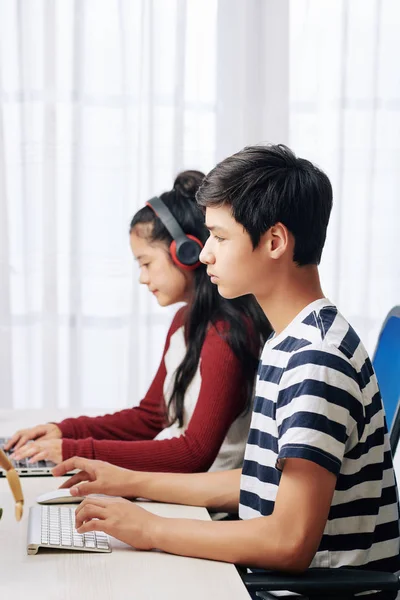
[319,408]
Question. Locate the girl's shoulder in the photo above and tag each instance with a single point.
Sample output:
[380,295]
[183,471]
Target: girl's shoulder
[223,327]
[219,330]
[178,320]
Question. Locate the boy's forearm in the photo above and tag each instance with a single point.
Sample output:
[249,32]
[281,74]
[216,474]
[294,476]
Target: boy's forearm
[251,543]
[218,490]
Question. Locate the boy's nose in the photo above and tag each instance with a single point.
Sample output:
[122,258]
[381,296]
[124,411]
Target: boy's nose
[206,257]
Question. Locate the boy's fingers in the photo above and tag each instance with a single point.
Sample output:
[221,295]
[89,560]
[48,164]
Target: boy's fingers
[93,525]
[85,488]
[83,464]
[94,501]
[89,512]
[75,479]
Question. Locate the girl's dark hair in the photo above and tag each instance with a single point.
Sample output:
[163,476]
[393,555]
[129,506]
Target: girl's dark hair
[245,326]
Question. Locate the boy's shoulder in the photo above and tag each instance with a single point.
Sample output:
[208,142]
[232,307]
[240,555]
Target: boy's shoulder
[337,337]
[320,338]
[320,328]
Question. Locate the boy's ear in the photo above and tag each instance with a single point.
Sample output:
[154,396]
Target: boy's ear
[278,240]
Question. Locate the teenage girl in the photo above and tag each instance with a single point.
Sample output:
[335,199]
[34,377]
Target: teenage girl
[195,415]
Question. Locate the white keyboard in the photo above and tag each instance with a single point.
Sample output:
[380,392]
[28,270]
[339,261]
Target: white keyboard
[54,527]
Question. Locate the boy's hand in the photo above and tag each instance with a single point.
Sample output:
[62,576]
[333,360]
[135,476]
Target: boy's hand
[47,431]
[40,450]
[95,477]
[117,517]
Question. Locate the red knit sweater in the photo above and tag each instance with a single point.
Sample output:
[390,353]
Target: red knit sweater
[125,438]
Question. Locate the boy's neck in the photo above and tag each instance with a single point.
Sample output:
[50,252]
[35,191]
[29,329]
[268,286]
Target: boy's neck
[290,294]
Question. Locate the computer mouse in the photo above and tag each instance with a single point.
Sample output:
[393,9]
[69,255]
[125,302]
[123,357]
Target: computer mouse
[60,496]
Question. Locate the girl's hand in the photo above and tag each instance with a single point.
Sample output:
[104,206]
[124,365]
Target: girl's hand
[48,431]
[118,517]
[40,450]
[95,477]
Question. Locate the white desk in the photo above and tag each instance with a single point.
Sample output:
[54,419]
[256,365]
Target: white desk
[125,574]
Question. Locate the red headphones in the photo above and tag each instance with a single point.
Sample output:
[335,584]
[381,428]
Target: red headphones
[184,249]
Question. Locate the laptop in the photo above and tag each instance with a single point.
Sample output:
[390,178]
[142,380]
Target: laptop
[54,527]
[23,467]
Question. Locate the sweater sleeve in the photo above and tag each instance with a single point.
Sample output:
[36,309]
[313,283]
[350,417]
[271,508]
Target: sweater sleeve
[221,399]
[141,422]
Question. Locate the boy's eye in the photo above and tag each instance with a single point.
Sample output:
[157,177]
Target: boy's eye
[219,239]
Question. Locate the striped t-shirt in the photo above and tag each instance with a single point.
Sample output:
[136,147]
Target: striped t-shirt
[317,398]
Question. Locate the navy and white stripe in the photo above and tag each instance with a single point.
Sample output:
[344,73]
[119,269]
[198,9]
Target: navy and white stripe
[317,398]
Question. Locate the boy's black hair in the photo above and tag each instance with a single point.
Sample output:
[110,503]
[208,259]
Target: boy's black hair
[265,185]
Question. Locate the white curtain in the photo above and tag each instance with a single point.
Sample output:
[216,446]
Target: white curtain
[345,115]
[102,103]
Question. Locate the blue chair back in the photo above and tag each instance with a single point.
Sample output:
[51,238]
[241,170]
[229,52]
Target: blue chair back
[386,364]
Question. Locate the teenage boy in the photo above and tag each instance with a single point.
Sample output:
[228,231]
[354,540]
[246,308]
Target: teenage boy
[317,485]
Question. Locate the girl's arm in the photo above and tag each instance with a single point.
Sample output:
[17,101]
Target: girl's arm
[139,423]
[142,422]
[221,399]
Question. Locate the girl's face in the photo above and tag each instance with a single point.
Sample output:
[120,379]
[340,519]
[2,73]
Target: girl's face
[164,279]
